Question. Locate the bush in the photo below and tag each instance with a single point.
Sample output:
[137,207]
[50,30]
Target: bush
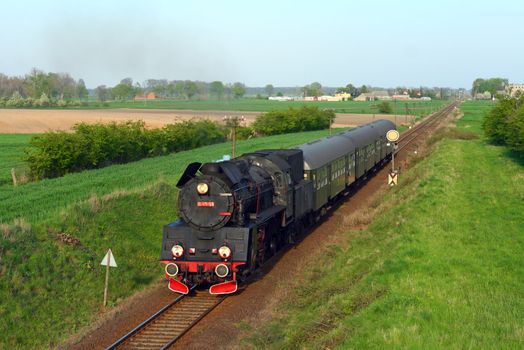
[16,100]
[504,124]
[385,107]
[305,118]
[54,154]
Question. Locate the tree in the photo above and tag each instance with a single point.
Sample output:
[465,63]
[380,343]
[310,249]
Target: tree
[216,89]
[492,85]
[269,89]
[127,81]
[123,91]
[238,90]
[313,89]
[385,107]
[81,90]
[364,89]
[102,93]
[190,88]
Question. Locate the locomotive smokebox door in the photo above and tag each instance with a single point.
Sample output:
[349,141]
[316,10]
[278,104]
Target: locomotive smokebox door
[206,203]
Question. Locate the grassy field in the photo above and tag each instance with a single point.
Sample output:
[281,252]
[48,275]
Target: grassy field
[55,232]
[11,153]
[255,105]
[440,267]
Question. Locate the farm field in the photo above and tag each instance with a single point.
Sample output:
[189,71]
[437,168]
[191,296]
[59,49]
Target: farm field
[439,267]
[42,120]
[53,233]
[11,151]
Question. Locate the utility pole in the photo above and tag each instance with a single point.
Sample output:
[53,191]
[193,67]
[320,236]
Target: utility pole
[233,122]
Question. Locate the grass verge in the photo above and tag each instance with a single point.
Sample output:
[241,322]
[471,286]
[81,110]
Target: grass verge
[440,266]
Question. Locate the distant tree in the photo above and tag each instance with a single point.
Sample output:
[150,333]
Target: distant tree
[280,94]
[38,83]
[81,90]
[127,81]
[364,89]
[171,89]
[216,89]
[504,124]
[190,88]
[238,90]
[492,85]
[102,93]
[123,91]
[269,89]
[180,88]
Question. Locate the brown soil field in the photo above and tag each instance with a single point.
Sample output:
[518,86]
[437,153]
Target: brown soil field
[39,120]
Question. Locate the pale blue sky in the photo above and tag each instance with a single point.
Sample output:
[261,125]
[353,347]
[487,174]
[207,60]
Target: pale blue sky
[285,43]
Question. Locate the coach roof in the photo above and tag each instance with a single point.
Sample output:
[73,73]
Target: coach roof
[321,152]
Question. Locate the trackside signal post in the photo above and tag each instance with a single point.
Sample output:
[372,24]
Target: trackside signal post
[393,136]
[107,261]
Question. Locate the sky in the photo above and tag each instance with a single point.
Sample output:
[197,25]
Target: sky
[284,43]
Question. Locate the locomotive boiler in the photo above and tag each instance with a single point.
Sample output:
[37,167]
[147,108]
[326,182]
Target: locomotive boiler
[236,214]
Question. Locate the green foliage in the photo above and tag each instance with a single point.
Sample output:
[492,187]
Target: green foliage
[97,145]
[439,267]
[293,120]
[385,107]
[504,124]
[491,85]
[12,146]
[238,90]
[123,91]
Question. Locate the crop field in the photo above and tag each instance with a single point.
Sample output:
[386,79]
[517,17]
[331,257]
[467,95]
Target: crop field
[439,267]
[11,153]
[53,234]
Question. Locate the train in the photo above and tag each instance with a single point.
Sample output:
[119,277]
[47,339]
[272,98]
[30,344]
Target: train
[236,214]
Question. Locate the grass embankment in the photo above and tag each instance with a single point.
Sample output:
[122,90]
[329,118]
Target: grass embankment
[51,281]
[441,265]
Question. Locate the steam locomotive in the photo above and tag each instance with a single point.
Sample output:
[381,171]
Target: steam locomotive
[236,214]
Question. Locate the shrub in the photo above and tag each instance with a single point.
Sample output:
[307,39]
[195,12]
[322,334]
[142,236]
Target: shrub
[43,101]
[89,146]
[504,124]
[16,100]
[385,107]
[305,118]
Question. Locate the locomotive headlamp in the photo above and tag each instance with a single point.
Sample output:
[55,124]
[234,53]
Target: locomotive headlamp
[172,269]
[222,270]
[202,188]
[177,251]
[224,252]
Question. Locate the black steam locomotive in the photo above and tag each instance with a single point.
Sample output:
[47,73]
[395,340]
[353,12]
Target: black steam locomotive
[236,214]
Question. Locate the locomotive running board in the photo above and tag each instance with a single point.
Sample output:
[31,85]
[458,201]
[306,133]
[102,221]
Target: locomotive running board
[224,288]
[177,286]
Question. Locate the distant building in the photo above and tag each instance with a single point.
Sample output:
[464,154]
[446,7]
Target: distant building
[280,98]
[486,95]
[374,95]
[512,89]
[149,96]
[402,97]
[425,98]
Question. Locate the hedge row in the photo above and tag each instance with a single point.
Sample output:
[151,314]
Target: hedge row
[504,124]
[92,146]
[293,120]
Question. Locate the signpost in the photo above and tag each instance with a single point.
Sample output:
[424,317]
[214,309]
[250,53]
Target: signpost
[393,136]
[107,261]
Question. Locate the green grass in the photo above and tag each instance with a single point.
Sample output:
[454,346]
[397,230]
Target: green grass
[11,153]
[440,267]
[37,200]
[255,105]
[51,281]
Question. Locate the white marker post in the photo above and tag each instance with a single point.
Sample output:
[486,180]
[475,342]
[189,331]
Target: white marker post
[107,261]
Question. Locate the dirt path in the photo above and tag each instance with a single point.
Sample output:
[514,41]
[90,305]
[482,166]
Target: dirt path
[219,329]
[41,120]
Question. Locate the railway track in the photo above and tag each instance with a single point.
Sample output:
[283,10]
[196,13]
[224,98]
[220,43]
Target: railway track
[162,329]
[410,135]
[165,327]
